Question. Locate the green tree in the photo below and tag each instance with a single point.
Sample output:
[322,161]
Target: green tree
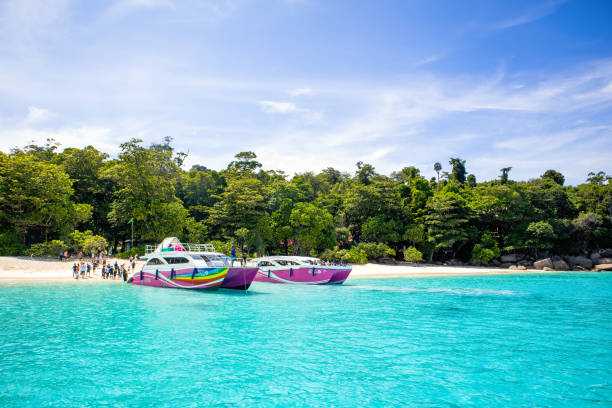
[486,250]
[245,163]
[34,197]
[314,228]
[504,174]
[144,180]
[447,221]
[471,180]
[458,172]
[555,176]
[381,229]
[541,235]
[411,254]
[437,169]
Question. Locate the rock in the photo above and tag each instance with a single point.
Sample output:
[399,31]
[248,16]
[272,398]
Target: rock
[603,267]
[582,261]
[509,258]
[513,267]
[387,261]
[546,268]
[506,265]
[543,263]
[595,257]
[521,268]
[602,261]
[496,262]
[579,268]
[606,253]
[560,265]
[525,263]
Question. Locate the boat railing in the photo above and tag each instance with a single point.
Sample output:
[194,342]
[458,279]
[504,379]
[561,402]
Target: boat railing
[187,247]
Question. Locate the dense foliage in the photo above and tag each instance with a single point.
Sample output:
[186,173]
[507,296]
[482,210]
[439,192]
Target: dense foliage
[48,197]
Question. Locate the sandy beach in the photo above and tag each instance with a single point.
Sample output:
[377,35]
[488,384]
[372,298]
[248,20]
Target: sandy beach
[23,269]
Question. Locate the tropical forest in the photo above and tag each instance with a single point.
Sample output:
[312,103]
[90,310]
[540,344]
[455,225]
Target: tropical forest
[56,199]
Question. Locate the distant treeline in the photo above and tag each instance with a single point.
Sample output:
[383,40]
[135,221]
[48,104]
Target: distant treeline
[48,196]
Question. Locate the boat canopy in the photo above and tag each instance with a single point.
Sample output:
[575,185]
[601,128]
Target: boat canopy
[172,244]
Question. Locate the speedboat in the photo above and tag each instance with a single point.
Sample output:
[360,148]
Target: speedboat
[173,264]
[299,269]
[341,271]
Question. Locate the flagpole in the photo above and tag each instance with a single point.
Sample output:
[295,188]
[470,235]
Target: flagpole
[132,243]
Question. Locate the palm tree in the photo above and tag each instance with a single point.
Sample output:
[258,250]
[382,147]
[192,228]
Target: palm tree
[437,168]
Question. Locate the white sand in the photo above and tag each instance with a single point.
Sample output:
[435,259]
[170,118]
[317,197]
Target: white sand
[421,270]
[38,269]
[41,270]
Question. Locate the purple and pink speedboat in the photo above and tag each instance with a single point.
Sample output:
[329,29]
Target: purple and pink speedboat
[173,264]
[300,270]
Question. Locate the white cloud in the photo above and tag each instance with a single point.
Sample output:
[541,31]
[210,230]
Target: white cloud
[37,114]
[300,91]
[533,13]
[278,107]
[123,7]
[430,59]
[66,136]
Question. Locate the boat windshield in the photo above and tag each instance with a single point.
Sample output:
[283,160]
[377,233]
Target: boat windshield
[286,262]
[200,258]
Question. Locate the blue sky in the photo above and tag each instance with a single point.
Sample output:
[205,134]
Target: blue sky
[308,84]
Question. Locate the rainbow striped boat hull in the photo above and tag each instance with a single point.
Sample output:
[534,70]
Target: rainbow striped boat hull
[210,278]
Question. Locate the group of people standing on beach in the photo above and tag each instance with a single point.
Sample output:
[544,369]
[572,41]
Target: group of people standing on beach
[83,270]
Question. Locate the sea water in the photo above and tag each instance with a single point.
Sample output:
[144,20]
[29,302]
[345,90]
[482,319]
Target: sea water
[483,341]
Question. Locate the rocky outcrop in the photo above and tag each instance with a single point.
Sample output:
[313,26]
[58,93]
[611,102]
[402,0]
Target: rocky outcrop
[556,263]
[603,261]
[511,258]
[581,261]
[560,265]
[543,263]
[603,267]
[606,253]
[385,260]
[546,268]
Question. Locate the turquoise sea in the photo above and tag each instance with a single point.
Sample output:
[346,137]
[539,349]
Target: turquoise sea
[482,341]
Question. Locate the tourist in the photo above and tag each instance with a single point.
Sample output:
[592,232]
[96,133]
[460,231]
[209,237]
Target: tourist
[61,256]
[88,270]
[75,271]
[233,252]
[83,271]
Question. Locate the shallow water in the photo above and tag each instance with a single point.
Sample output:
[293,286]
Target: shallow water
[511,340]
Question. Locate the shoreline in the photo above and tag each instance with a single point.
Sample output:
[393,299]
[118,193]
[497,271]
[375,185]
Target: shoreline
[14,270]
